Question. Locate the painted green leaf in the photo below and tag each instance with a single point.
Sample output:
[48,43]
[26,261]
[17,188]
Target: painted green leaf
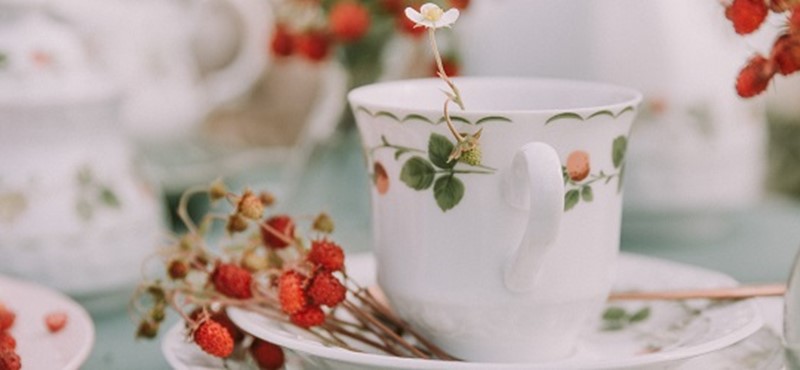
[618,149]
[601,113]
[399,153]
[492,118]
[448,191]
[625,110]
[571,198]
[456,119]
[586,194]
[108,197]
[565,115]
[365,110]
[614,313]
[417,173]
[417,117]
[384,113]
[620,177]
[384,141]
[439,149]
[640,315]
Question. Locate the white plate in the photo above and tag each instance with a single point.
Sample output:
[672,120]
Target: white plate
[681,330]
[36,346]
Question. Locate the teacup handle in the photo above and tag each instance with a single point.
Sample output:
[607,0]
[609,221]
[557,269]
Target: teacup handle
[536,180]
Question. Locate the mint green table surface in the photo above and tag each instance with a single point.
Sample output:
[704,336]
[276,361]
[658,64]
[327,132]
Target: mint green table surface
[756,244]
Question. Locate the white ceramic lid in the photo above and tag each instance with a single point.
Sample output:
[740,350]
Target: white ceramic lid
[43,61]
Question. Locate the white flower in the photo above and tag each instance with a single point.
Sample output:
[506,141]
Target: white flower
[432,16]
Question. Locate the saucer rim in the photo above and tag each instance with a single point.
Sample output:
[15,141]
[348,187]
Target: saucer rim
[306,346]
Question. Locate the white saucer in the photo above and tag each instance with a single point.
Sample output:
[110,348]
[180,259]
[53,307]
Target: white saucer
[682,330]
[67,349]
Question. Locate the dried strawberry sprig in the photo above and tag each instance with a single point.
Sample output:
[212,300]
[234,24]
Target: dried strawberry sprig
[267,268]
[747,16]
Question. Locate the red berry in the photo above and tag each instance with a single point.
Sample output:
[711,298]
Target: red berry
[222,318]
[232,281]
[349,21]
[7,341]
[279,233]
[794,21]
[267,355]
[214,339]
[291,292]
[459,4]
[311,316]
[6,318]
[450,66]
[325,289]
[282,42]
[313,45]
[786,54]
[177,269]
[755,76]
[55,321]
[747,15]
[327,255]
[9,360]
[408,26]
[578,165]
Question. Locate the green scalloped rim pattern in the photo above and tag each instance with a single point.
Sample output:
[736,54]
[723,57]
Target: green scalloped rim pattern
[419,117]
[576,116]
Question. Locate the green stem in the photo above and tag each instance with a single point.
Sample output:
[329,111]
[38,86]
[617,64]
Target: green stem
[452,172]
[594,179]
[396,147]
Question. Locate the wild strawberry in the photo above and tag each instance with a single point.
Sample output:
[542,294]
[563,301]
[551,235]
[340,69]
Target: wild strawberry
[755,76]
[325,289]
[214,339]
[291,292]
[236,224]
[311,316]
[220,317]
[323,223]
[7,341]
[349,21]
[267,355]
[282,42]
[380,177]
[6,318]
[280,232]
[55,321]
[578,165]
[408,26]
[326,254]
[459,4]
[786,54]
[177,269]
[747,15]
[232,281]
[313,45]
[250,206]
[794,21]
[9,360]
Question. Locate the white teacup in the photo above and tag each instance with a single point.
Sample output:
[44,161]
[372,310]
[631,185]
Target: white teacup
[506,261]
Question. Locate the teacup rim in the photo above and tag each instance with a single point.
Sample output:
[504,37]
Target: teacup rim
[357,96]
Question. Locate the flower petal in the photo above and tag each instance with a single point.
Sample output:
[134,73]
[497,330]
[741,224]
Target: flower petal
[448,18]
[414,16]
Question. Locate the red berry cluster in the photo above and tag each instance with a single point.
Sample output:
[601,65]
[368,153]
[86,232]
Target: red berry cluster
[302,295]
[747,16]
[9,359]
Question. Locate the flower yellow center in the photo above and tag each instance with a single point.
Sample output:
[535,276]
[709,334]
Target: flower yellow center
[433,13]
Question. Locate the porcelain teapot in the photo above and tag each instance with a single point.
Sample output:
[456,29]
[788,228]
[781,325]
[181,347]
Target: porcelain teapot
[73,212]
[176,60]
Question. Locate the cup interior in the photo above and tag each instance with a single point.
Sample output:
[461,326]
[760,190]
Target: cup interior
[494,95]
